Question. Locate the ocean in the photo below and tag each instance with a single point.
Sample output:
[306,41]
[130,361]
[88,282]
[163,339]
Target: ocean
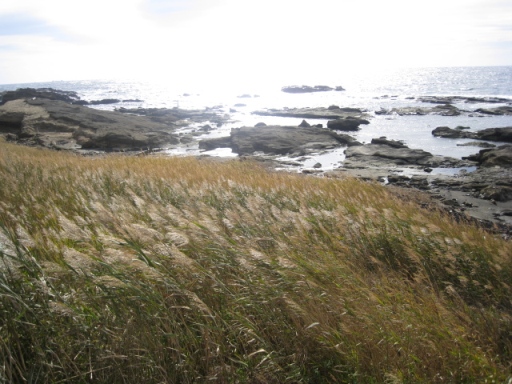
[370,91]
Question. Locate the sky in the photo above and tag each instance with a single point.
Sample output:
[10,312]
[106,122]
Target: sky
[226,42]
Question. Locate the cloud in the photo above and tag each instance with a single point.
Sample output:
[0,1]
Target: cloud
[214,40]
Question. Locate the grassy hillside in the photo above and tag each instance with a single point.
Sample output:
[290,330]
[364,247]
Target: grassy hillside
[128,270]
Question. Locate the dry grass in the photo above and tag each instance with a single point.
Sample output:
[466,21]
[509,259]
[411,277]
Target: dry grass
[125,269]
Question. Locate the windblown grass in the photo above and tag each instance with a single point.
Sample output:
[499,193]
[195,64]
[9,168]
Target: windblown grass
[124,269]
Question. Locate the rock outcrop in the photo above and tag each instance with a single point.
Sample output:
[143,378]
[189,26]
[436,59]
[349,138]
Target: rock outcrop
[332,112]
[382,152]
[442,110]
[490,134]
[61,125]
[57,119]
[279,140]
[346,124]
[500,156]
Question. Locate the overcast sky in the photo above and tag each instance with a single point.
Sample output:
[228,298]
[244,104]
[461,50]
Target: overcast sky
[234,41]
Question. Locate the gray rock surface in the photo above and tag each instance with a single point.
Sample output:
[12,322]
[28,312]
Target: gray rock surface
[384,154]
[279,140]
[491,134]
[500,156]
[315,113]
[310,89]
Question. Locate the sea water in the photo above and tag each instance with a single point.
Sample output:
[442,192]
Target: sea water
[370,91]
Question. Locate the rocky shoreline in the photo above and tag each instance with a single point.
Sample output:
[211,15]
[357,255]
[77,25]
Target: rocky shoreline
[479,186]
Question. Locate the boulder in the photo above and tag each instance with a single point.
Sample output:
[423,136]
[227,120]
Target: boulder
[497,193]
[304,124]
[451,133]
[346,124]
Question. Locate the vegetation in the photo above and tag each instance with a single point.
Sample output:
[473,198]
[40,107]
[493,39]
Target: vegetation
[123,269]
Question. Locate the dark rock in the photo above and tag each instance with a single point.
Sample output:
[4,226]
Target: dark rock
[317,165]
[278,140]
[260,124]
[497,193]
[44,93]
[11,121]
[400,156]
[481,144]
[218,142]
[462,99]
[503,110]
[304,124]
[495,134]
[315,113]
[346,124]
[491,134]
[499,156]
[49,122]
[391,143]
[104,101]
[448,132]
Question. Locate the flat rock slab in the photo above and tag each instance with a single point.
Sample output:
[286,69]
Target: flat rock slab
[385,154]
[316,113]
[503,134]
[279,140]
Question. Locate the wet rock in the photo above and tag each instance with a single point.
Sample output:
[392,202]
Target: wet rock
[346,124]
[500,111]
[481,144]
[304,124]
[451,133]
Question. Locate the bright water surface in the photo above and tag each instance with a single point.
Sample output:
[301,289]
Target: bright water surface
[369,91]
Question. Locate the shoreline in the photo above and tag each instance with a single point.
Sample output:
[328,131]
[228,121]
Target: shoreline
[56,120]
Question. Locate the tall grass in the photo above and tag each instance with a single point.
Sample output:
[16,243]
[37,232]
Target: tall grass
[124,269]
